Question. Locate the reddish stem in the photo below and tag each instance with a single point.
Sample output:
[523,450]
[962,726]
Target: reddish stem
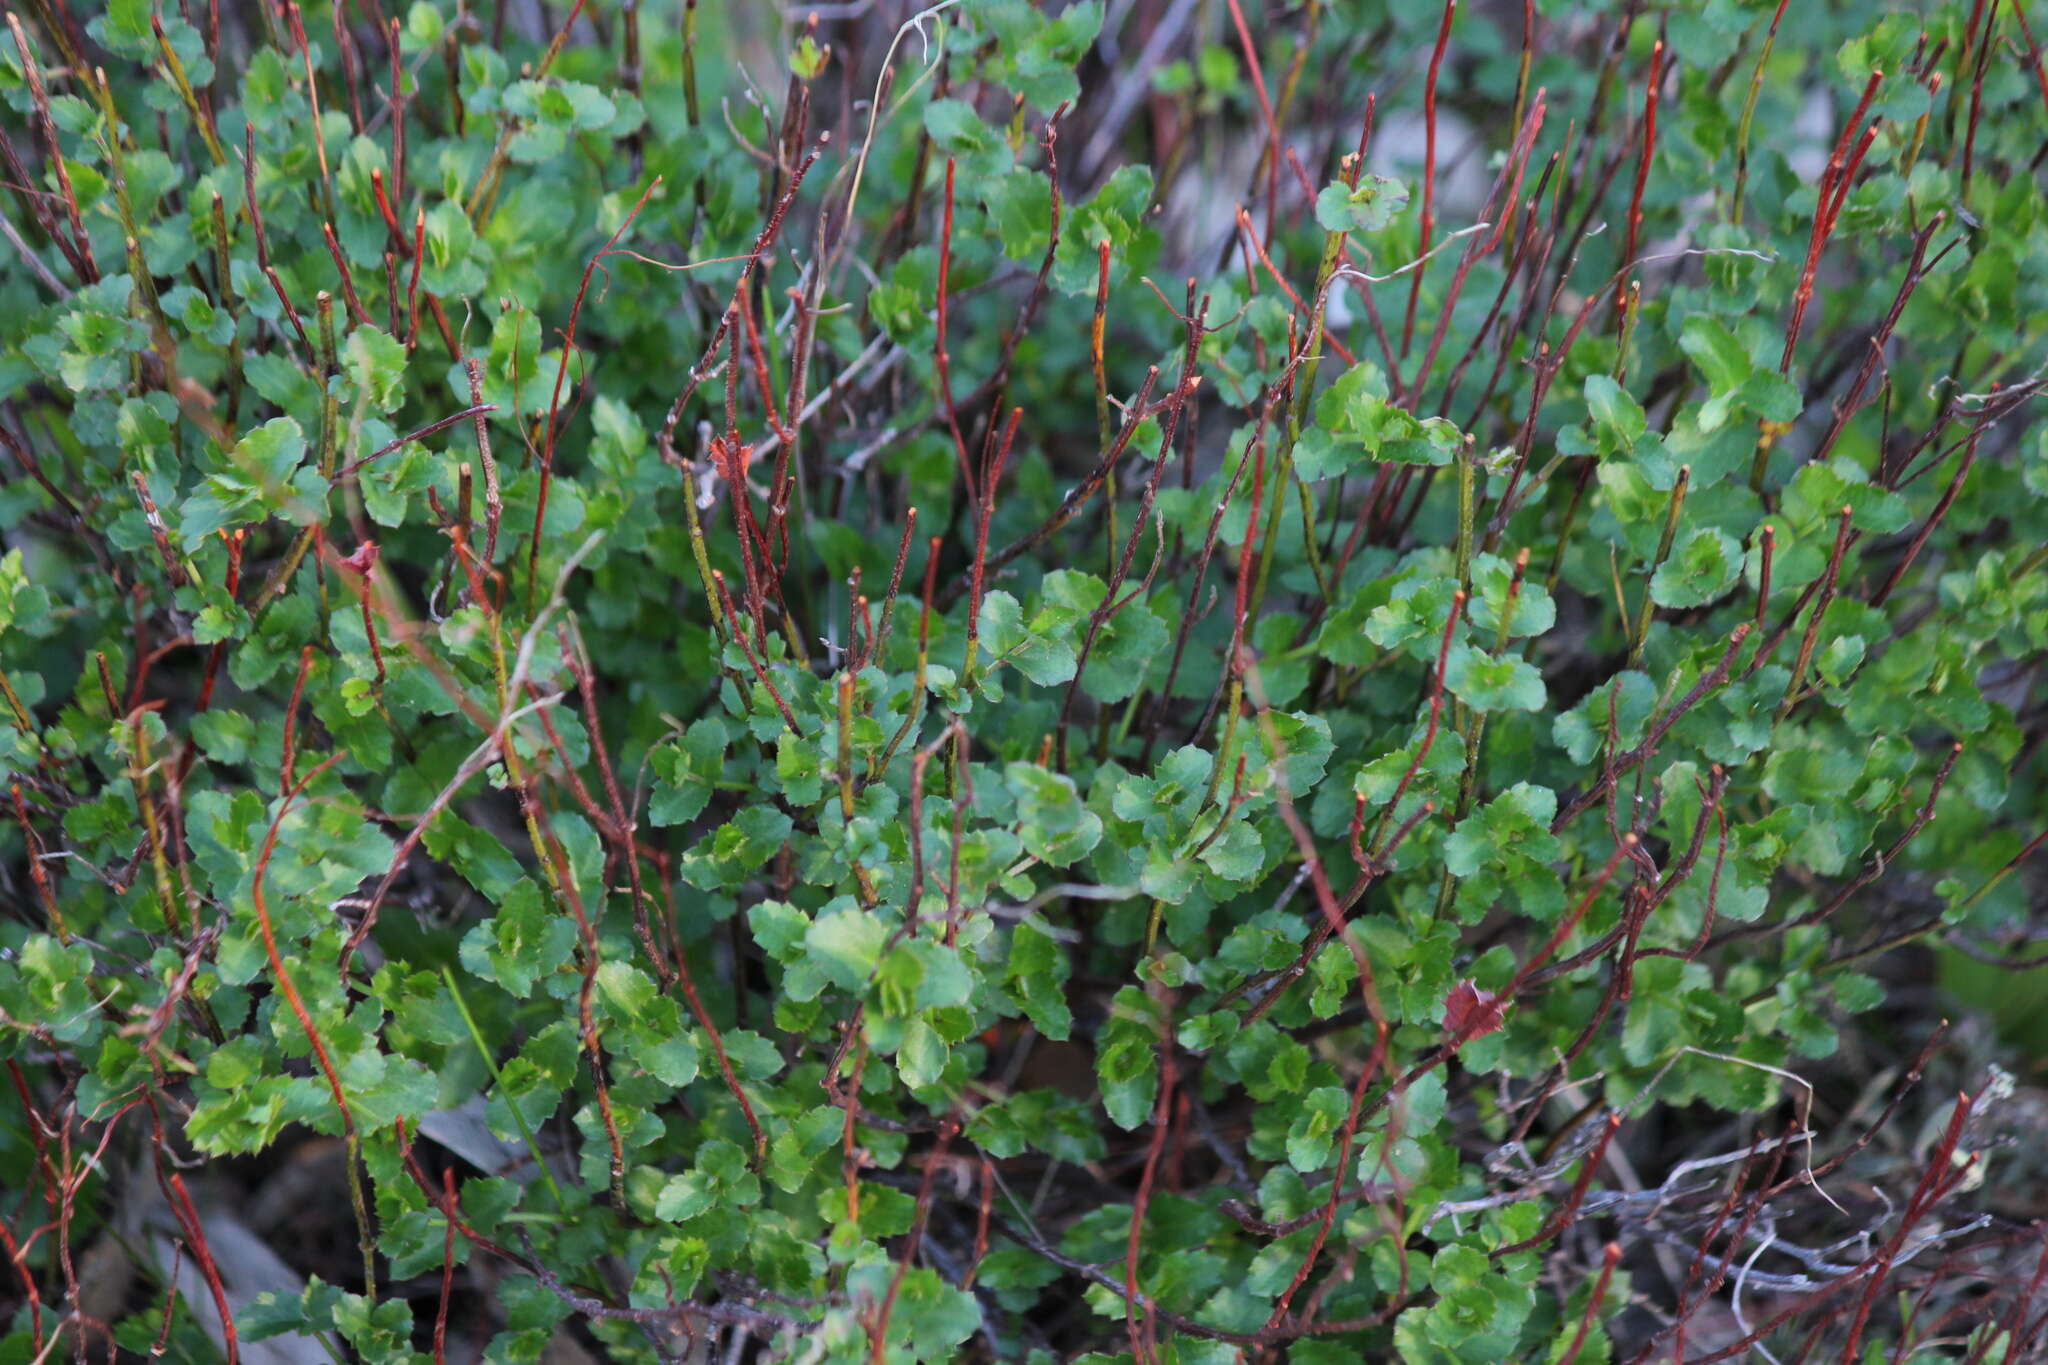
[348,280]
[879,1334]
[195,1233]
[447,1267]
[942,361]
[1834,190]
[992,478]
[291,715]
[1635,202]
[389,215]
[1141,1333]
[1608,1260]
[1436,709]
[762,381]
[277,967]
[412,288]
[1244,223]
[262,243]
[16,1255]
[2019,11]
[547,450]
[753,661]
[1251,61]
[1948,497]
[1436,62]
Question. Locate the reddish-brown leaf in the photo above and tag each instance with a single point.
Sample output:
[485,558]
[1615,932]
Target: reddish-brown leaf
[362,559]
[1470,1012]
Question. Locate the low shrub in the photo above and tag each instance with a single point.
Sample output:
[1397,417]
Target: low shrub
[1156,681]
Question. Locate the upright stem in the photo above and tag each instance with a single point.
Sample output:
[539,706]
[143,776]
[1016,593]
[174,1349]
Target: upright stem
[1671,514]
[1756,85]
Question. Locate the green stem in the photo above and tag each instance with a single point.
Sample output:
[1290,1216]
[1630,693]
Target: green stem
[1466,513]
[1223,749]
[1297,415]
[1756,85]
[498,1079]
[1641,633]
[698,551]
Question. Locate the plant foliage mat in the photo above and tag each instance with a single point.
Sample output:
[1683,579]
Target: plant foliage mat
[1176,680]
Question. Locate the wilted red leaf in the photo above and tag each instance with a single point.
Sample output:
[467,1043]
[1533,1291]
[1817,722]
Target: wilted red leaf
[362,559]
[1470,1012]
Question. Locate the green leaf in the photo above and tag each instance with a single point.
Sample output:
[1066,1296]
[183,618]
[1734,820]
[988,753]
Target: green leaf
[1054,825]
[1045,659]
[1515,824]
[1713,348]
[1126,1058]
[1704,564]
[521,943]
[1036,972]
[846,945]
[1622,705]
[686,773]
[720,1179]
[1493,584]
[1656,1014]
[921,1058]
[955,126]
[1238,855]
[1038,1120]
[1311,1138]
[270,453]
[1615,411]
[808,59]
[1369,208]
[1413,617]
[376,362]
[1019,205]
[1489,683]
